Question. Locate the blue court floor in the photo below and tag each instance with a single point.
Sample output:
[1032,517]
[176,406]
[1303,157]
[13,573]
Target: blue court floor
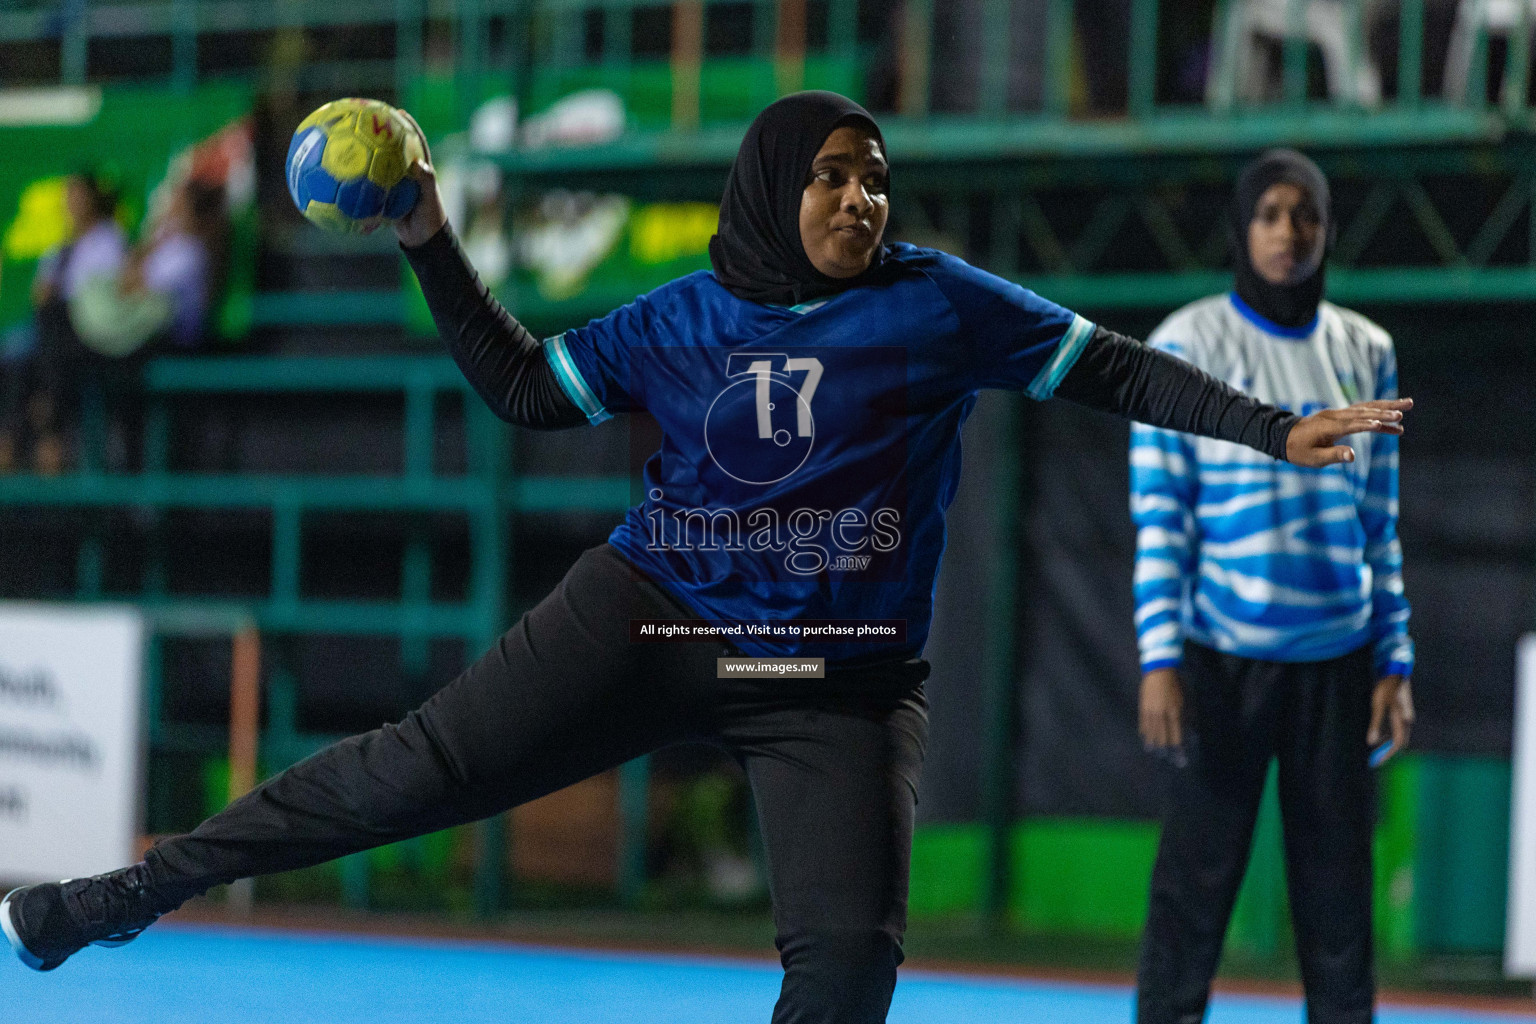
[189,975]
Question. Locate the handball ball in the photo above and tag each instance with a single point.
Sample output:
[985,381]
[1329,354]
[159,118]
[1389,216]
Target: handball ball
[347,163]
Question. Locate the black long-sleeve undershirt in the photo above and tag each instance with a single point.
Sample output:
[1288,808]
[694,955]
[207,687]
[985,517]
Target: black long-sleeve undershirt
[1123,376]
[506,366]
[504,363]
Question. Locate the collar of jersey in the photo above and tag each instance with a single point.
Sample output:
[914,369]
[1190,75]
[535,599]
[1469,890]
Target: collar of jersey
[1269,326]
[805,307]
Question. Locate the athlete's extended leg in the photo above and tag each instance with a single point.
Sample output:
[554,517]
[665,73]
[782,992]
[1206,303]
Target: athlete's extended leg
[563,695]
[834,780]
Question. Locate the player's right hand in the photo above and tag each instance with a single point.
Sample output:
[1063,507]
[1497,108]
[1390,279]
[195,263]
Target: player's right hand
[427,217]
[1162,709]
[1391,710]
[1314,440]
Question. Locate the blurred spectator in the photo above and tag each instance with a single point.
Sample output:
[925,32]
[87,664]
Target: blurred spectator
[95,337]
[183,259]
[97,246]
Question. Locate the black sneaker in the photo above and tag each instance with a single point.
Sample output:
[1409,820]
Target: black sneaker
[48,923]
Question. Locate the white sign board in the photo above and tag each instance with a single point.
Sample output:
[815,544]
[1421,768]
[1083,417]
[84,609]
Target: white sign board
[71,750]
[1520,942]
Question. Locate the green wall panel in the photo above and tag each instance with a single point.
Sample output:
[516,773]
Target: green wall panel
[1461,881]
[1083,876]
[948,866]
[1441,862]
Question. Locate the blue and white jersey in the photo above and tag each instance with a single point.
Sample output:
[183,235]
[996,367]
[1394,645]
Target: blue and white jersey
[1252,556]
[809,454]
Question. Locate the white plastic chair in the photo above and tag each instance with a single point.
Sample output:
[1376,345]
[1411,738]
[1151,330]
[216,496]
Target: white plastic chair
[1242,68]
[1497,18]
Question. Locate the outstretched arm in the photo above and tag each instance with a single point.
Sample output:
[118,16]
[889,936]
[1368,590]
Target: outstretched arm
[1121,375]
[500,358]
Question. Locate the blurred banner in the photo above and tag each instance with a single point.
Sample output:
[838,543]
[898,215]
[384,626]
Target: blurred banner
[1520,945]
[71,750]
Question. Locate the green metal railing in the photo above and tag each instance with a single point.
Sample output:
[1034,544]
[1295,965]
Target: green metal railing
[538,36]
[486,494]
[73,25]
[993,182]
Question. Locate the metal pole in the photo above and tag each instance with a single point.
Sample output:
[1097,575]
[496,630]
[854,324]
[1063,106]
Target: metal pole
[1295,53]
[995,25]
[1058,58]
[1517,65]
[287,550]
[408,48]
[1143,58]
[634,808]
[472,48]
[568,43]
[1354,13]
[1410,52]
[789,46]
[618,29]
[488,458]
[687,62]
[416,562]
[842,28]
[244,736]
[1001,704]
[184,46]
[916,57]
[74,43]
[1477,74]
[1227,36]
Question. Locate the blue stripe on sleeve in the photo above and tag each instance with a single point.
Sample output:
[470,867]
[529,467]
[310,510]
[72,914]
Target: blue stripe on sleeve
[571,381]
[1161,508]
[1067,350]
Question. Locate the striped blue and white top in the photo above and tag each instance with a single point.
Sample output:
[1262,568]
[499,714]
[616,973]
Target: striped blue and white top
[1256,557]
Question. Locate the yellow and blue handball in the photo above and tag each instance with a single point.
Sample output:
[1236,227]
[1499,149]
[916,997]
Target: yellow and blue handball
[347,165]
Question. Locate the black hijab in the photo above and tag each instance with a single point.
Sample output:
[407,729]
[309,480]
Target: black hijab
[757,252]
[1287,305]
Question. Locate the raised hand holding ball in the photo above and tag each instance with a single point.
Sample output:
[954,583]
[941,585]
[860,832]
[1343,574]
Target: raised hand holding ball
[427,217]
[348,163]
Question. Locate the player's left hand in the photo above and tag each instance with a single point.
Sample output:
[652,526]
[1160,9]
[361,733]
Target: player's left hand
[427,217]
[1314,440]
[1391,700]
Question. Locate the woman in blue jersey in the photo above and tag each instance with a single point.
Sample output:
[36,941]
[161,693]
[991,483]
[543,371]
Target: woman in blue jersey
[811,389]
[1271,616]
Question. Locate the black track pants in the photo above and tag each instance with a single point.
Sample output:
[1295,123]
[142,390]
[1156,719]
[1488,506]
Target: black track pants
[565,694]
[1313,717]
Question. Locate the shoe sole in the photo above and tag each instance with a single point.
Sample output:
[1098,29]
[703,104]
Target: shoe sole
[24,954]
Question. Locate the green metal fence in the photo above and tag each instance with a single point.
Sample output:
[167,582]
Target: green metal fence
[529,38]
[487,495]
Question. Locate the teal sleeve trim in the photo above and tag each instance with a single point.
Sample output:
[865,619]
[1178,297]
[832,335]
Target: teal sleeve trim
[571,381]
[1067,350]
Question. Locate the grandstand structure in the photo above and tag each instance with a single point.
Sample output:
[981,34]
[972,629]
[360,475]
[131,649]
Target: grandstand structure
[1106,211]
